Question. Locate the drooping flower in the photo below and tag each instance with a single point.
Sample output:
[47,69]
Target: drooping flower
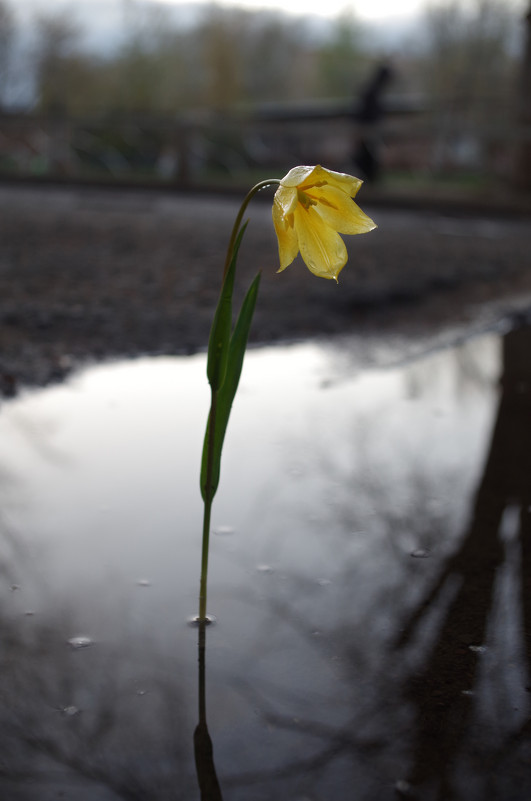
[311,207]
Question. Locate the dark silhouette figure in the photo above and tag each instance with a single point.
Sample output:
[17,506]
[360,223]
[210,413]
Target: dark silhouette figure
[368,113]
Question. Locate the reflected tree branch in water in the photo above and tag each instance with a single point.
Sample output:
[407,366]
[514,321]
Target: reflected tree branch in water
[203,748]
[355,741]
[114,740]
[338,742]
[441,690]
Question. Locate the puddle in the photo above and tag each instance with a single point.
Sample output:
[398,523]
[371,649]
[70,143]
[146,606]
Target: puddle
[337,661]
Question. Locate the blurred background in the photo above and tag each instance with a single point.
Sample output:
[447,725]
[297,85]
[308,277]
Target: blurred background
[371,565]
[425,95]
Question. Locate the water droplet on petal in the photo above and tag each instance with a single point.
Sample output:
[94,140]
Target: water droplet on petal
[323,582]
[264,569]
[143,582]
[420,553]
[81,641]
[29,612]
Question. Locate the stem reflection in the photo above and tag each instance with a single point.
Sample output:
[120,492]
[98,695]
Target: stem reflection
[203,749]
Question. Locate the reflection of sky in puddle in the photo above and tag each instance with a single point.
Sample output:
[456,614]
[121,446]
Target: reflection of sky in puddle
[334,489]
[102,472]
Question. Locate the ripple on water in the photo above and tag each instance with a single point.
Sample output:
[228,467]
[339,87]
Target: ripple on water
[80,641]
[420,553]
[210,620]
[264,569]
[70,711]
[224,531]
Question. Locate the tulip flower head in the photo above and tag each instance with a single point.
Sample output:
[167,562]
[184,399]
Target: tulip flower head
[311,207]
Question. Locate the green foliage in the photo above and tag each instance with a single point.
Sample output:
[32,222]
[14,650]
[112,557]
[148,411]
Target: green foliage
[230,57]
[341,58]
[224,366]
[7,32]
[227,57]
[59,64]
[469,56]
[218,342]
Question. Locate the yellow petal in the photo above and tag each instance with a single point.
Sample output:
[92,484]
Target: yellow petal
[296,176]
[322,249]
[339,211]
[286,199]
[288,242]
[340,180]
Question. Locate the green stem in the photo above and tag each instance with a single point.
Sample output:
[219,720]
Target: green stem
[238,221]
[204,561]
[207,507]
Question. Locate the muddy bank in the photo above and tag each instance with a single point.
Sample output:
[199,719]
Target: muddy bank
[88,274]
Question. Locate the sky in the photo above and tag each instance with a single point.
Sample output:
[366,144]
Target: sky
[368,10]
[388,22]
[364,10]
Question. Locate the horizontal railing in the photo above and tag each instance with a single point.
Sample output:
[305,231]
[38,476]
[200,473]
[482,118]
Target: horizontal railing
[208,147]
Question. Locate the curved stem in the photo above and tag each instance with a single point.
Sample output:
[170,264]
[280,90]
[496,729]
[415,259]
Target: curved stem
[248,197]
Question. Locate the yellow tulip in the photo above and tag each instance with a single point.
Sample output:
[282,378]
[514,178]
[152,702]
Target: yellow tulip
[311,207]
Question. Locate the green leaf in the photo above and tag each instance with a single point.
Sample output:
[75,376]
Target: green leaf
[219,339]
[222,400]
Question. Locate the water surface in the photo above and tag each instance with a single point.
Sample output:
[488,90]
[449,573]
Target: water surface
[368,571]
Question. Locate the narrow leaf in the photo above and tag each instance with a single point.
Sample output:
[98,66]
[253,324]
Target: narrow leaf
[219,339]
[226,394]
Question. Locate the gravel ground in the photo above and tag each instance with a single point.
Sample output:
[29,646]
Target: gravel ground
[92,274]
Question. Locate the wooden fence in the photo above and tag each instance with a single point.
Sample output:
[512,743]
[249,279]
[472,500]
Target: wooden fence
[209,148]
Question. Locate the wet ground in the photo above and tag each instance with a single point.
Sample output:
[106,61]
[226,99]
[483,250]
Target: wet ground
[89,274]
